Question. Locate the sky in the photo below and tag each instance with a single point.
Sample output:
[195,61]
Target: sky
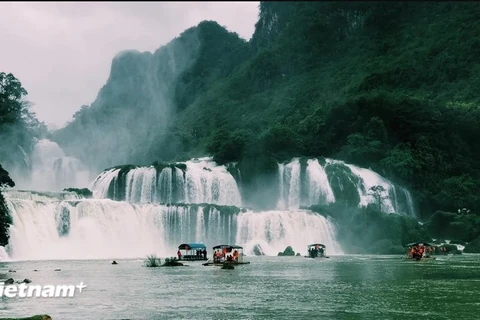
[62,52]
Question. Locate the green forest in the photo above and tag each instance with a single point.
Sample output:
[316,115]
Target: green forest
[386,86]
[390,86]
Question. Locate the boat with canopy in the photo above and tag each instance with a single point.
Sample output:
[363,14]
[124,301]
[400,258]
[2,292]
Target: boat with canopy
[227,254]
[419,251]
[316,250]
[192,252]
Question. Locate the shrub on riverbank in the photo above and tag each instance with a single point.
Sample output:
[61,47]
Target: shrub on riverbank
[37,317]
[172,262]
[473,247]
[5,218]
[152,261]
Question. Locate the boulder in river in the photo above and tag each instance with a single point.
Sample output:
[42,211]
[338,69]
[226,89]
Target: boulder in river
[287,252]
[37,317]
[258,251]
[172,262]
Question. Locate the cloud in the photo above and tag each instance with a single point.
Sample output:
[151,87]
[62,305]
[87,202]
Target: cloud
[61,52]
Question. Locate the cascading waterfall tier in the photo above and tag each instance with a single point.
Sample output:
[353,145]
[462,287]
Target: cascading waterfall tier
[105,229]
[194,181]
[324,181]
[52,170]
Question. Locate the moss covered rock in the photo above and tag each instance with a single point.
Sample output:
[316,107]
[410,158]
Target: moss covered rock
[287,252]
[172,262]
[37,317]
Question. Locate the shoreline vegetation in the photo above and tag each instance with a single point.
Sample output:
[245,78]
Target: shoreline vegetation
[36,317]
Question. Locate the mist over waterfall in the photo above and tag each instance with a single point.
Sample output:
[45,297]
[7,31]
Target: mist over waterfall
[195,181]
[311,182]
[53,228]
[52,170]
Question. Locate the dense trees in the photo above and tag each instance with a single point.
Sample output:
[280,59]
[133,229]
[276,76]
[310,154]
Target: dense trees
[374,84]
[5,219]
[18,129]
[18,124]
[389,86]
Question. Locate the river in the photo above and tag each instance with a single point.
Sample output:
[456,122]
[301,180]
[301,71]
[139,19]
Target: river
[342,287]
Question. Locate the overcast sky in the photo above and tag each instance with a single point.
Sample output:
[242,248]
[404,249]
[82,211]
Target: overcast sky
[61,52]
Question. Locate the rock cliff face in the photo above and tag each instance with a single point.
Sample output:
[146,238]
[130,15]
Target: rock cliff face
[131,112]
[131,109]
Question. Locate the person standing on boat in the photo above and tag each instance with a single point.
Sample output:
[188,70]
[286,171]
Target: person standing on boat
[179,254]
[235,255]
[204,253]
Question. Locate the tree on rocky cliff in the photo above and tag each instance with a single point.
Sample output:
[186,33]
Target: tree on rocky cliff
[5,219]
[379,195]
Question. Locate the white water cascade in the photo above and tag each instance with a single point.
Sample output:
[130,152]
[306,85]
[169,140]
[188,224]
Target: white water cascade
[202,181]
[142,210]
[45,227]
[272,231]
[318,182]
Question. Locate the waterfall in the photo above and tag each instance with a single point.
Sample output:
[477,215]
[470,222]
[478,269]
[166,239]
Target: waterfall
[281,175]
[56,228]
[289,175]
[368,180]
[319,190]
[273,231]
[52,170]
[333,180]
[194,181]
[140,186]
[39,196]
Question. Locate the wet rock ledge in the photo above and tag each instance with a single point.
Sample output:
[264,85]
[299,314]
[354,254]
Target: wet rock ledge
[37,317]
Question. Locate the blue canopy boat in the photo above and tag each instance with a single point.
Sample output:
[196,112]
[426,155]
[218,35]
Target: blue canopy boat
[192,252]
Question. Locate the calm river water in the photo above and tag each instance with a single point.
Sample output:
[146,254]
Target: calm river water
[342,287]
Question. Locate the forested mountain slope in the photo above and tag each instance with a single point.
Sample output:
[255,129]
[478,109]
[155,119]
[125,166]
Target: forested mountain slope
[390,86]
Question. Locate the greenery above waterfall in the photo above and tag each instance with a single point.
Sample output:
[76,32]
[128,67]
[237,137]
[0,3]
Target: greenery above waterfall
[390,86]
